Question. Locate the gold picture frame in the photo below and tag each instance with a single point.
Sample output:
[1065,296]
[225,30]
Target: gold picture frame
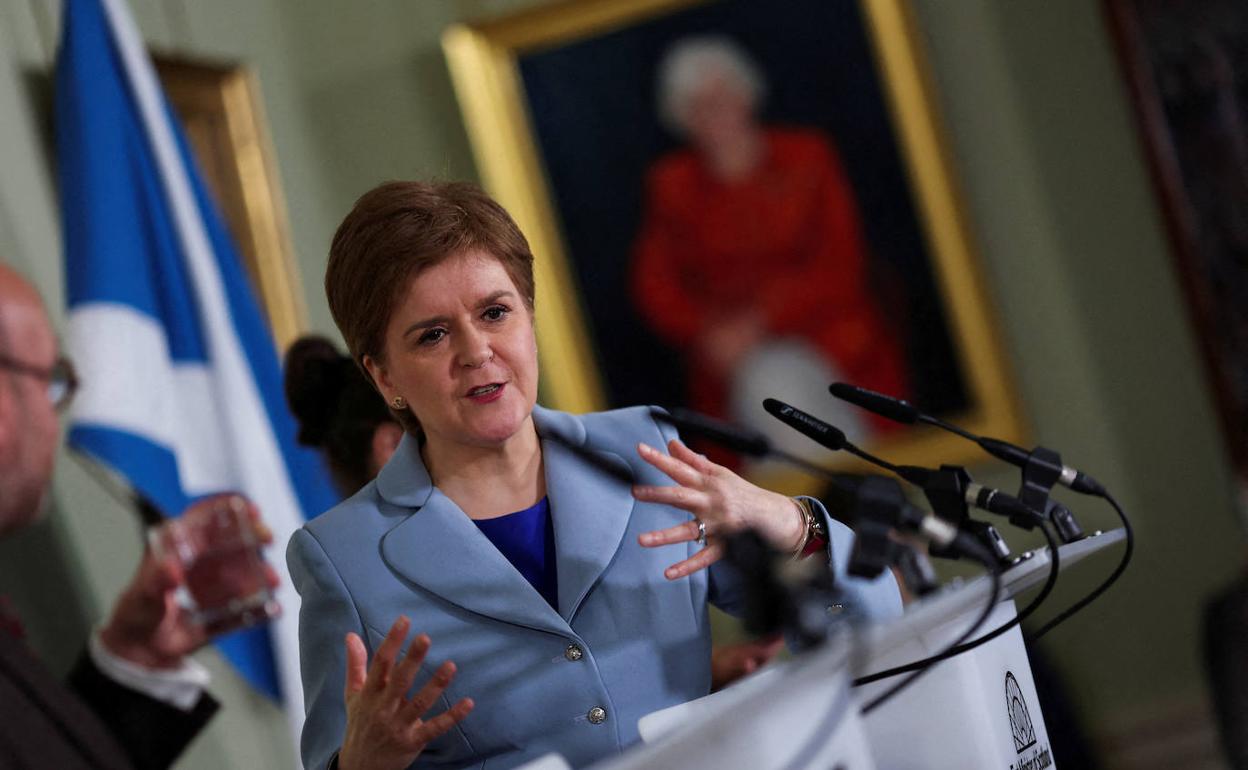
[485,61]
[221,112]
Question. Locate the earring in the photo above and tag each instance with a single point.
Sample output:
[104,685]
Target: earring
[398,402]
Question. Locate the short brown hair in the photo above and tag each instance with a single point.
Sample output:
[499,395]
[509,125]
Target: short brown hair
[399,229]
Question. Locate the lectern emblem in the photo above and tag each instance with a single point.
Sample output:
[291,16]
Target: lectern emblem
[1020,719]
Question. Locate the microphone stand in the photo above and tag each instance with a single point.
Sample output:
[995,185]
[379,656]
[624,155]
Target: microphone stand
[878,511]
[882,507]
[1041,471]
[945,490]
[945,482]
[1041,468]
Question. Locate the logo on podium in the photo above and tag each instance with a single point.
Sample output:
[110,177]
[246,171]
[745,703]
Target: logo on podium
[1020,720]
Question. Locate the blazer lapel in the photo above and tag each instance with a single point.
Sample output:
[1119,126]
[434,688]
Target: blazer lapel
[440,549]
[589,504]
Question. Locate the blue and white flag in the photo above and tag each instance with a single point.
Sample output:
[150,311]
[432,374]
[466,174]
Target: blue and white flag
[182,392]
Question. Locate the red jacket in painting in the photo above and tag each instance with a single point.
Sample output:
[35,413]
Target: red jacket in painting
[786,242]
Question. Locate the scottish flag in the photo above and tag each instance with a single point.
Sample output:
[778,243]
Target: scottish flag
[182,391]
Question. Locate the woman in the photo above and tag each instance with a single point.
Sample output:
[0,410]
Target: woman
[570,603]
[341,415]
[751,257]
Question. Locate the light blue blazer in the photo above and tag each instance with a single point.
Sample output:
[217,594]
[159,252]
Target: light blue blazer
[400,546]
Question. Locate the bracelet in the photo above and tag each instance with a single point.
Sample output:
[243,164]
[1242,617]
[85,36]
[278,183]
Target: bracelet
[816,535]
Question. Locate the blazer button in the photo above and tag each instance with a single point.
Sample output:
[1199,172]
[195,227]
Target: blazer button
[574,652]
[597,715]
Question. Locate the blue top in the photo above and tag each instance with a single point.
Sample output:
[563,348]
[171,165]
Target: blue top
[527,539]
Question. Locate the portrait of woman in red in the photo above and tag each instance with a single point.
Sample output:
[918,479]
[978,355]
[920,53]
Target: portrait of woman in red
[751,235]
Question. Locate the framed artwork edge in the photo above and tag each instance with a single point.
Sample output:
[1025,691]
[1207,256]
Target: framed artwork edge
[1166,179]
[251,197]
[483,62]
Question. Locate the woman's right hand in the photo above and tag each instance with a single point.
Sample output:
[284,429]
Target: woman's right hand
[384,728]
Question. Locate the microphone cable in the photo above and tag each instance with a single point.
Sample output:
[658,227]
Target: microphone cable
[832,438]
[902,411]
[1109,581]
[962,645]
[927,664]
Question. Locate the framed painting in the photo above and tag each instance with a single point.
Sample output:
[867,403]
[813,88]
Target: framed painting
[1186,65]
[220,109]
[736,200]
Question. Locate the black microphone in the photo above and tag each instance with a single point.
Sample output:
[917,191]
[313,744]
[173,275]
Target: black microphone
[754,444]
[742,440]
[895,409]
[745,441]
[982,497]
[985,498]
[873,550]
[822,433]
[880,501]
[1018,457]
[902,411]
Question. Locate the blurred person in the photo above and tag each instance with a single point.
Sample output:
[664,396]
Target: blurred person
[339,412]
[543,584]
[751,258]
[134,699]
[342,415]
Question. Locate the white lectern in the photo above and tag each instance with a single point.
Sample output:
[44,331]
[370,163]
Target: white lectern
[975,710]
[800,714]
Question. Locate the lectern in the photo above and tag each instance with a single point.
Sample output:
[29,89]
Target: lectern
[975,710]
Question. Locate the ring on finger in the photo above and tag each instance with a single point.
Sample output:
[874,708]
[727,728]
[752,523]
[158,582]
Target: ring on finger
[701,532]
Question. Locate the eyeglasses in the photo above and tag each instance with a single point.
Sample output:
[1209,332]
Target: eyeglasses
[61,378]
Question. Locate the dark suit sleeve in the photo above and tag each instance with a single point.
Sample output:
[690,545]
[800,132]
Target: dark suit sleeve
[152,733]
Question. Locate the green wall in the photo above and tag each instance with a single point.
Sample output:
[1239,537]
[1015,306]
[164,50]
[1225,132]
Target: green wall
[1072,238]
[1057,197]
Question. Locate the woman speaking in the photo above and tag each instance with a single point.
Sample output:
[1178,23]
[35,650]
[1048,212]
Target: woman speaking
[553,605]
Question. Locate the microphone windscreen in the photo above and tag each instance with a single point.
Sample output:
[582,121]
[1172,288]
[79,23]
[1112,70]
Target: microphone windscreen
[894,409]
[736,438]
[812,427]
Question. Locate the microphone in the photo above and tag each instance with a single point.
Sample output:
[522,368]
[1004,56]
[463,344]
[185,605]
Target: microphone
[742,440]
[874,548]
[754,444]
[899,410]
[1067,476]
[880,506]
[824,434]
[984,498]
[977,495]
[1041,469]
[739,439]
[895,409]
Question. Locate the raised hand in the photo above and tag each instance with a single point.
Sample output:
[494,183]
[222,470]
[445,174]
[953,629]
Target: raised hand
[386,729]
[723,502]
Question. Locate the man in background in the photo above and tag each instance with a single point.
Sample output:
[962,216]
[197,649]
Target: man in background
[134,699]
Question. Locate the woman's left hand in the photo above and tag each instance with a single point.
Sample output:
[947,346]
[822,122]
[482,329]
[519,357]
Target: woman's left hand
[721,500]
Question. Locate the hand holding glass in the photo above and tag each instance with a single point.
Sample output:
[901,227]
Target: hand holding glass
[217,544]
